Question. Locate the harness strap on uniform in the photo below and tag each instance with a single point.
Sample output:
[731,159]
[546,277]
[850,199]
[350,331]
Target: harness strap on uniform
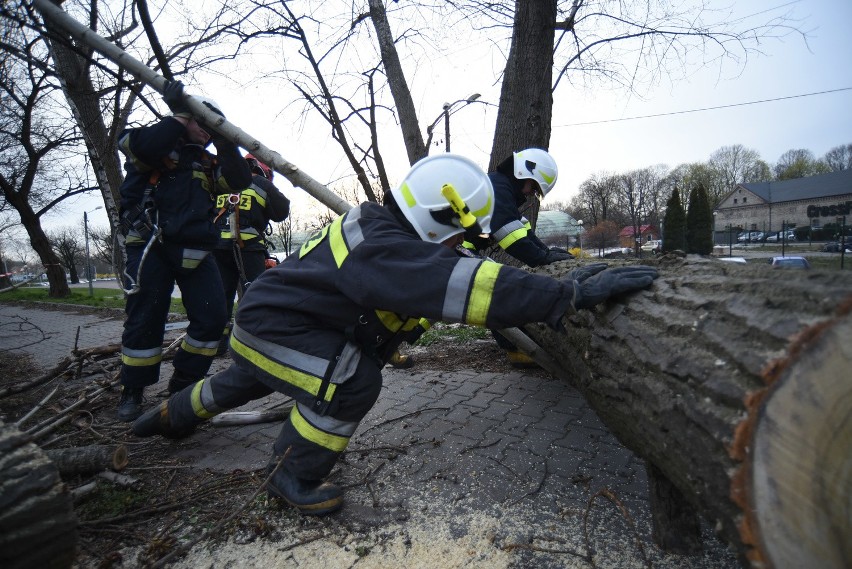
[236,230]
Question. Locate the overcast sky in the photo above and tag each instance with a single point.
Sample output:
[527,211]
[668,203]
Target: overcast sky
[787,77]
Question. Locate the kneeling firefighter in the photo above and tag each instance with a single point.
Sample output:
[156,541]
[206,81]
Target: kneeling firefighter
[320,326]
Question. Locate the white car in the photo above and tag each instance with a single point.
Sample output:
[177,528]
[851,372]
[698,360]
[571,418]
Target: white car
[653,246]
[776,237]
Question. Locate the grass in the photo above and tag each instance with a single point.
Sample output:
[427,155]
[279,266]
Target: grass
[101,298]
[440,332]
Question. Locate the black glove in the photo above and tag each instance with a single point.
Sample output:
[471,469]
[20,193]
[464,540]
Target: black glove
[584,272]
[212,108]
[553,256]
[596,288]
[559,249]
[174,98]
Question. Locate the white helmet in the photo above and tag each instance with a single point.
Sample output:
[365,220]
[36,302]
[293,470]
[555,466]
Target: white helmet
[536,164]
[444,195]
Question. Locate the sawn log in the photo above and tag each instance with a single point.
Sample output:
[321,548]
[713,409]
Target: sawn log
[735,383]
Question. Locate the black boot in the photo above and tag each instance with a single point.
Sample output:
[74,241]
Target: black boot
[310,497]
[224,342]
[130,404]
[155,421]
[180,380]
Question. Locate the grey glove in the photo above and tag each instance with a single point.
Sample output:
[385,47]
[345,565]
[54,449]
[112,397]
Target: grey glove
[553,256]
[175,99]
[596,288]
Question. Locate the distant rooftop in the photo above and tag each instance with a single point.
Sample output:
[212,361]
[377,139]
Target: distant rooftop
[824,185]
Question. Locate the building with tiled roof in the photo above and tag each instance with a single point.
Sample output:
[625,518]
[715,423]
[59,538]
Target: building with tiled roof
[763,206]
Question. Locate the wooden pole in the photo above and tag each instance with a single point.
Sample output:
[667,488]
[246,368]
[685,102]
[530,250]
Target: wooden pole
[55,16]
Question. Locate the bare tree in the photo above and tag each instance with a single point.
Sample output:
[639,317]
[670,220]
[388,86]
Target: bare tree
[634,194]
[733,165]
[68,244]
[103,246]
[799,163]
[598,198]
[839,158]
[40,163]
[602,236]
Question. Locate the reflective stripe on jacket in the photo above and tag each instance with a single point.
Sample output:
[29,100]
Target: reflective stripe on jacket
[258,204]
[512,232]
[366,277]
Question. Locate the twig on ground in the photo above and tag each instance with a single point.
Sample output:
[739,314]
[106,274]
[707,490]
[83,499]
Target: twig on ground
[215,529]
[513,546]
[401,417]
[537,489]
[609,495]
[35,409]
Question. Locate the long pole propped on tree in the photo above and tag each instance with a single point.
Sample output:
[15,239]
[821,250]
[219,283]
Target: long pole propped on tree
[54,15]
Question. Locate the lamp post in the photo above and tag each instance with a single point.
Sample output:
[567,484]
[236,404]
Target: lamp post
[713,240]
[88,263]
[580,235]
[730,240]
[448,110]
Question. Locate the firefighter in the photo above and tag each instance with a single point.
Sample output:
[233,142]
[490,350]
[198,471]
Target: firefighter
[167,210]
[242,255]
[321,325]
[530,172]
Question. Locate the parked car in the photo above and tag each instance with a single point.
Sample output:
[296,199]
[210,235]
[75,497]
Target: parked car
[779,236]
[836,247]
[653,246]
[749,236]
[789,263]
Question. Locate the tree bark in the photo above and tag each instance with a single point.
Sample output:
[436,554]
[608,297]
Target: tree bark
[89,459]
[38,527]
[732,381]
[526,97]
[411,136]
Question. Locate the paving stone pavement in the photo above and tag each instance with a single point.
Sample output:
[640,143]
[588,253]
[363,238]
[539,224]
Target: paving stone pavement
[520,447]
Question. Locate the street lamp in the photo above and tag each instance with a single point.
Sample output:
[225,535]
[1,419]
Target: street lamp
[448,110]
[580,235]
[86,231]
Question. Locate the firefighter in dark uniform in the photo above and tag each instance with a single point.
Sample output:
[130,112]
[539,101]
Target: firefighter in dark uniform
[242,255]
[321,325]
[529,172]
[167,209]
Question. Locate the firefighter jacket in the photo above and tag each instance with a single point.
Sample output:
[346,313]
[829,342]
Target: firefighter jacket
[252,209]
[360,281]
[171,184]
[512,232]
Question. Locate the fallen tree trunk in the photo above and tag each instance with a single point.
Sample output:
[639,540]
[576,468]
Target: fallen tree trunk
[38,527]
[733,383]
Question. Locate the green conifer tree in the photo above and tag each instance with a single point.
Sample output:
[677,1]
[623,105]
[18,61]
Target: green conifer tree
[674,224]
[699,222]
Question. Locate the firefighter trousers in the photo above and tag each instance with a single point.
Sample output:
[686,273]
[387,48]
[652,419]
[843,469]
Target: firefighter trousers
[254,263]
[147,310]
[310,442]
